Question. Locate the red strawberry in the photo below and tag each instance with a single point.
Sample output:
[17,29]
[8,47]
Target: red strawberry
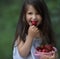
[38,48]
[49,47]
[34,23]
[45,50]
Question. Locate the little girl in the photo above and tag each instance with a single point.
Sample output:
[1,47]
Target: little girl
[29,36]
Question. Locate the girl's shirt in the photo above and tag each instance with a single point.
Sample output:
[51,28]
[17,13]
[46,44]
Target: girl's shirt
[36,43]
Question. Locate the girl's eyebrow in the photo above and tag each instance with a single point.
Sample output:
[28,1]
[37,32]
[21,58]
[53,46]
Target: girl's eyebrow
[29,11]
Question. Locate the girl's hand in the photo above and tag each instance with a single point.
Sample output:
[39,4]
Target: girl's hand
[51,55]
[33,31]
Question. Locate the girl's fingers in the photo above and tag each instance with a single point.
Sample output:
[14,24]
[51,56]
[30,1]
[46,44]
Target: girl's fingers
[53,56]
[53,53]
[33,27]
[47,56]
[44,57]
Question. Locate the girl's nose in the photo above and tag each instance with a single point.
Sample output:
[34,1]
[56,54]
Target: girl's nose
[34,17]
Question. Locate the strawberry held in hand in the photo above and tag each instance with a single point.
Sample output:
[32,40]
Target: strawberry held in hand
[34,23]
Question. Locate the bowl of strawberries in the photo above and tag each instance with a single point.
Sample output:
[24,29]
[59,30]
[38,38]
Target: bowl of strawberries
[44,50]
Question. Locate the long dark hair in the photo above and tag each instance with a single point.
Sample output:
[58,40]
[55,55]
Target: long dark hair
[45,26]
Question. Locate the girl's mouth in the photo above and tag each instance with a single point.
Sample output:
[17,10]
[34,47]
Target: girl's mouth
[34,22]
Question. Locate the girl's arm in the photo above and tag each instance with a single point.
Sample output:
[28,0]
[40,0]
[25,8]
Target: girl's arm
[24,48]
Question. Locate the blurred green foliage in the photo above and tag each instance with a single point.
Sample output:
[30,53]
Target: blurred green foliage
[9,14]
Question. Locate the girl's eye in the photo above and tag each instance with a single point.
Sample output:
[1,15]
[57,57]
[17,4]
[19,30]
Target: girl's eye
[30,13]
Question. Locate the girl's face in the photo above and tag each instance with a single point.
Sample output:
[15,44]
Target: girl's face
[32,15]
